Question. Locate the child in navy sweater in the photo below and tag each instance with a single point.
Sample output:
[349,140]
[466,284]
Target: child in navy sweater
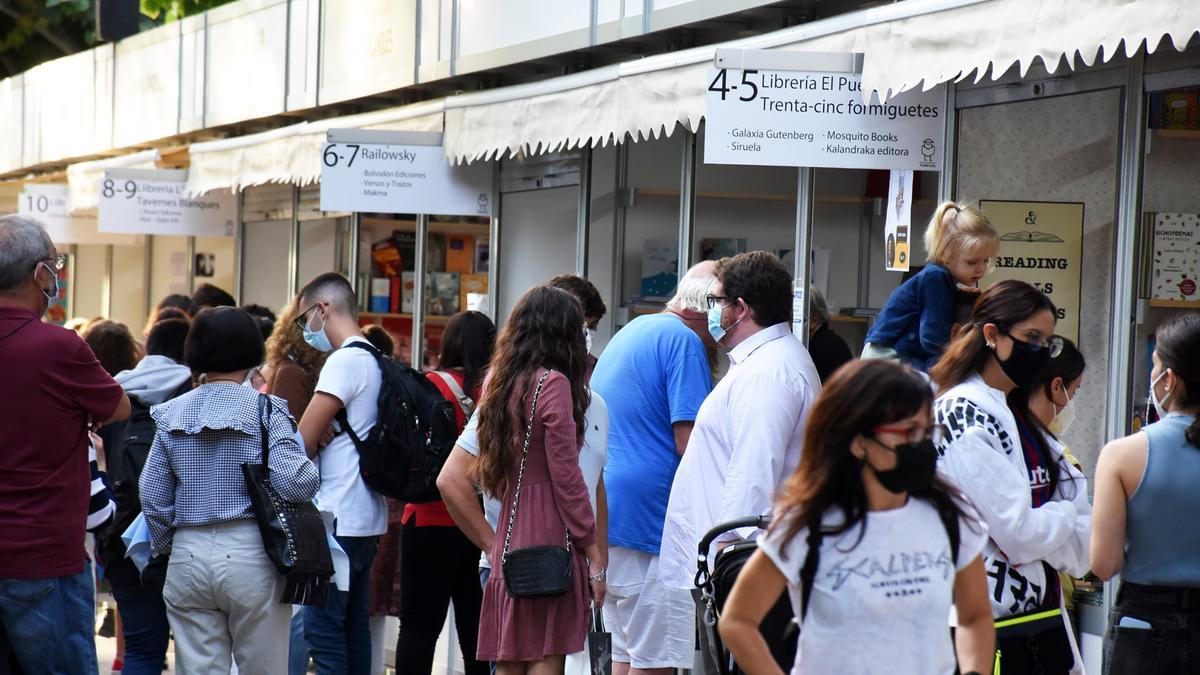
[914,326]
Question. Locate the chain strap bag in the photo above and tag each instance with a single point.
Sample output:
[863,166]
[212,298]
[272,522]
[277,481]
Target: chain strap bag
[293,533]
[534,571]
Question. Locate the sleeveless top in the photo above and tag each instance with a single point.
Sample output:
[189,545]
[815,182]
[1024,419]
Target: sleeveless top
[1161,548]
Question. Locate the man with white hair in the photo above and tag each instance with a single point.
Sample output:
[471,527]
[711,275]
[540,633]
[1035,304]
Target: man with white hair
[654,374]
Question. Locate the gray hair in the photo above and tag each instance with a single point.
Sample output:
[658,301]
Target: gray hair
[692,292]
[23,242]
[817,308]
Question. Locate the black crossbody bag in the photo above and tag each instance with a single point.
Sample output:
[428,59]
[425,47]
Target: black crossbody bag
[293,534]
[534,571]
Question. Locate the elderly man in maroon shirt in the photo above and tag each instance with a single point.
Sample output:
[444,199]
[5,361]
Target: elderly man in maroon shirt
[51,389]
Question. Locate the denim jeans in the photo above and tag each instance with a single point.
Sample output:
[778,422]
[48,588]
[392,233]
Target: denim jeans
[48,623]
[143,620]
[339,634]
[1171,644]
[297,646]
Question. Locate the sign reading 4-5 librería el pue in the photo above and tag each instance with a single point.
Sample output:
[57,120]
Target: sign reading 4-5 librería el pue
[819,119]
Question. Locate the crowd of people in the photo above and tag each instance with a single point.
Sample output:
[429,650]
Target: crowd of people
[925,515]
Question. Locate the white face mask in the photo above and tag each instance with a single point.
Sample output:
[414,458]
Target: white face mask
[1159,406]
[1063,419]
[588,336]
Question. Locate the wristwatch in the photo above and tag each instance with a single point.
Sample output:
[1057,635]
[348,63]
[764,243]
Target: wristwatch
[599,576]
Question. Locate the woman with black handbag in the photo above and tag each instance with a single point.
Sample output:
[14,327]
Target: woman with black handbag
[1018,482]
[547,566]
[223,592]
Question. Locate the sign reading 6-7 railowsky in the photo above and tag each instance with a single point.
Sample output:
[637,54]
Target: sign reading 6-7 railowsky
[819,119]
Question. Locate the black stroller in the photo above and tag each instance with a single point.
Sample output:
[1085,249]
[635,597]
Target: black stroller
[778,626]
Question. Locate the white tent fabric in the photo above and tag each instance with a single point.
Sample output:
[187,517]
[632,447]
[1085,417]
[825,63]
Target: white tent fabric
[645,98]
[291,154]
[905,43]
[988,38]
[83,178]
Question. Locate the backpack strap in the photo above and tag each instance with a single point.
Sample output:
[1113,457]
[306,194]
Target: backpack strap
[466,403]
[342,420]
[809,571]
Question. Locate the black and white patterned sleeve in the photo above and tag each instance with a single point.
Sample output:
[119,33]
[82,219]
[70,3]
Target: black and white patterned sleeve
[100,507]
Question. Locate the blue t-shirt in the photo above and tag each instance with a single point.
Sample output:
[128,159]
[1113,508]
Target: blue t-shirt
[653,373]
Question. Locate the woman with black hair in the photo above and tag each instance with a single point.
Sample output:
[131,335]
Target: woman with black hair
[1019,483]
[439,562]
[222,592]
[1146,499]
[869,542]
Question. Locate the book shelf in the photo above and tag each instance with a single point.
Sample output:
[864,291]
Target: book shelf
[1175,304]
[1178,134]
[378,317]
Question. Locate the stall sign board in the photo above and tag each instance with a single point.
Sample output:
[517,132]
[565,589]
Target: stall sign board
[1041,243]
[819,119]
[47,203]
[153,201]
[1176,266]
[402,178]
[897,229]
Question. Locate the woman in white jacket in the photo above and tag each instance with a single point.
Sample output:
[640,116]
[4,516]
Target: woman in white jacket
[1035,504]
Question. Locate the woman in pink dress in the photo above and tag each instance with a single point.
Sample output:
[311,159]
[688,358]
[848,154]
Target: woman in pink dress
[543,341]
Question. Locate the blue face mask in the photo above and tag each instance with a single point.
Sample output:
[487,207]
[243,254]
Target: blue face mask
[317,339]
[714,323]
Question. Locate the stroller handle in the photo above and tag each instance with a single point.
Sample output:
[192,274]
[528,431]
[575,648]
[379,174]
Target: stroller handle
[760,522]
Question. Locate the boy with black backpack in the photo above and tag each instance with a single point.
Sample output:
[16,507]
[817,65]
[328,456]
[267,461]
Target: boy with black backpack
[338,634]
[158,378]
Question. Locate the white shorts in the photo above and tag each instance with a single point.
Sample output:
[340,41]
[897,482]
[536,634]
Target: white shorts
[652,626]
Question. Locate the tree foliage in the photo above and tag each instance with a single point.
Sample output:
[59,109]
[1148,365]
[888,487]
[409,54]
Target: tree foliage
[33,31]
[174,10]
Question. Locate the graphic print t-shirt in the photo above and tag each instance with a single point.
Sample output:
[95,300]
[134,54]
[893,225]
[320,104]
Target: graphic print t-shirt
[896,585]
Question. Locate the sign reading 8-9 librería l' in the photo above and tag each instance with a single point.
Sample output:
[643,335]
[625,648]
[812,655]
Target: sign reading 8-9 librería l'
[819,119]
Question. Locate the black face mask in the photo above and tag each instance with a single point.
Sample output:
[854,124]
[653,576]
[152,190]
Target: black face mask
[916,465]
[1025,362]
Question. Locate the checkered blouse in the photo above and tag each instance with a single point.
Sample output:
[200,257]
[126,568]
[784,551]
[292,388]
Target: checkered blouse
[193,475]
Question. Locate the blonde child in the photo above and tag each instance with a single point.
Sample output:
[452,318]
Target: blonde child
[914,325]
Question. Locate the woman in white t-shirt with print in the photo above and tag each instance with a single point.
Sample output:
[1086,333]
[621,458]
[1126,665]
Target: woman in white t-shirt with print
[895,549]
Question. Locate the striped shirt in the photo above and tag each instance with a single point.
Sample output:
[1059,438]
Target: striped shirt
[101,506]
[193,475]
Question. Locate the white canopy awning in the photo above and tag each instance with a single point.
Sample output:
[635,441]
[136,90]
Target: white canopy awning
[644,98]
[987,38]
[83,178]
[905,44]
[291,154]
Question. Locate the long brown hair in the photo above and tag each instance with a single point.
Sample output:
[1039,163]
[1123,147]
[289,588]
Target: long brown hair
[861,396]
[287,343]
[1005,304]
[544,330]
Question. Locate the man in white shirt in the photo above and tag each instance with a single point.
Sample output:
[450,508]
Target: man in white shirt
[338,634]
[749,432]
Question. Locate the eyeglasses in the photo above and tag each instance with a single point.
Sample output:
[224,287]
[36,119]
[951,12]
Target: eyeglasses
[936,433]
[57,261]
[714,300]
[1054,343]
[301,321]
